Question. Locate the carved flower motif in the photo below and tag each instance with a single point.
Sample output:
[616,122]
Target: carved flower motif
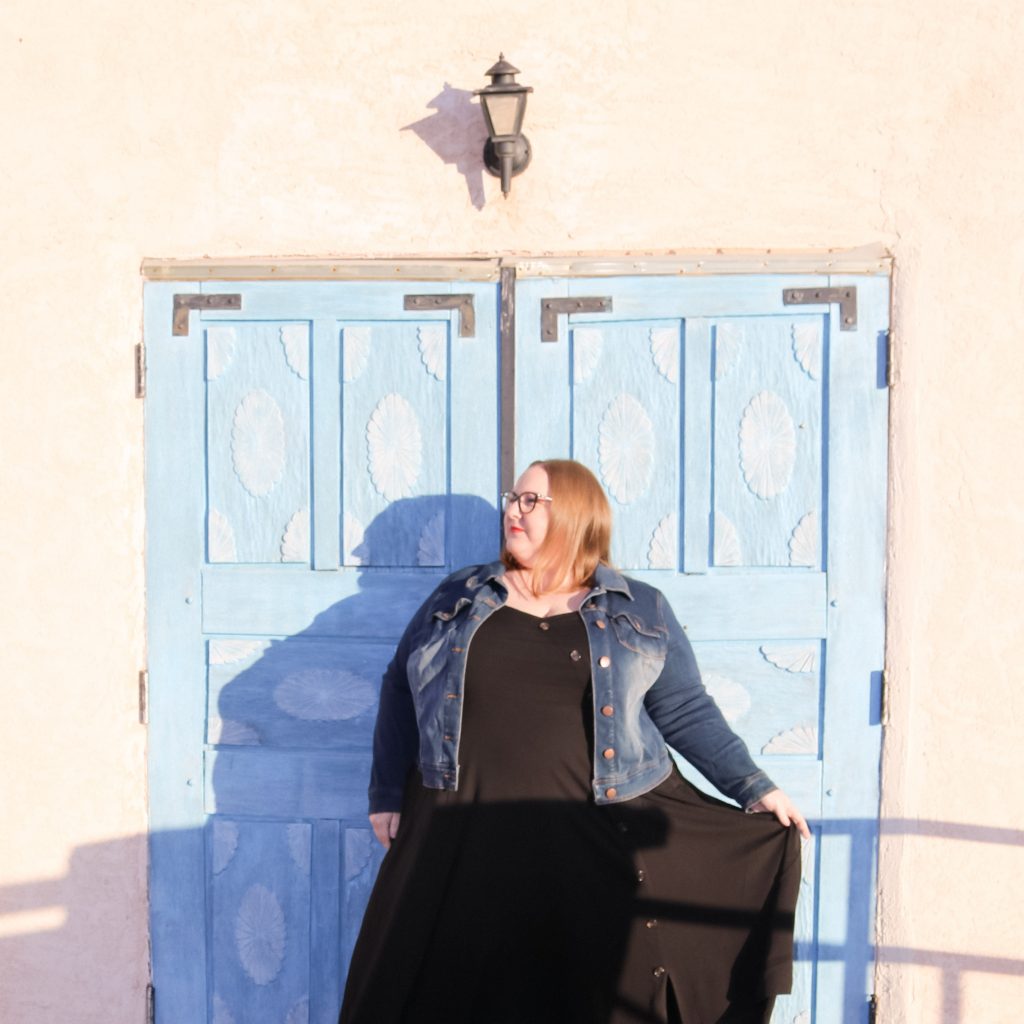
[394,447]
[767,445]
[258,443]
[260,934]
[626,449]
[324,695]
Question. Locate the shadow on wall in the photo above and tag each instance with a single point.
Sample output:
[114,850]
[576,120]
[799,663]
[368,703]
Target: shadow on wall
[456,133]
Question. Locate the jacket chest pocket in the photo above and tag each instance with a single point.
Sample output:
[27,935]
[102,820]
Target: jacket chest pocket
[428,662]
[649,642]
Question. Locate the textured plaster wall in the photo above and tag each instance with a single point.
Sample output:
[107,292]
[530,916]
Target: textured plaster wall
[258,128]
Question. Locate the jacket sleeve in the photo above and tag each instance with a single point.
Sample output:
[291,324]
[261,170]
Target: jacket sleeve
[691,722]
[395,735]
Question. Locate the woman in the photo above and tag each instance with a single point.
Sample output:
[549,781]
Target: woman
[547,863]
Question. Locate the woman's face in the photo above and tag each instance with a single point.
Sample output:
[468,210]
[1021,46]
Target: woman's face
[525,534]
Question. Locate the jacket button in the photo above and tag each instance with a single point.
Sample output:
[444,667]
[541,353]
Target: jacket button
[659,971]
[651,923]
[611,792]
[600,624]
[609,753]
[456,650]
[607,711]
[605,661]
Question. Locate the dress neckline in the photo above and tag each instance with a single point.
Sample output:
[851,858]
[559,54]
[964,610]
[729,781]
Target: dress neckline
[539,618]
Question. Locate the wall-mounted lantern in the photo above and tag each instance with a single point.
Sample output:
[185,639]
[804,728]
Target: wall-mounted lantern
[507,151]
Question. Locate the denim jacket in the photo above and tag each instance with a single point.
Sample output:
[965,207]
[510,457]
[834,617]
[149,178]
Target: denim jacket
[646,688]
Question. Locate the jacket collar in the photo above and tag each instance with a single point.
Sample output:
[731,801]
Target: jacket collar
[605,578]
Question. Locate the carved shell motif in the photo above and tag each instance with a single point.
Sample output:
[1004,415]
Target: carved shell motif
[226,651]
[358,852]
[727,348]
[295,542]
[355,351]
[587,343]
[258,443]
[662,552]
[356,549]
[300,842]
[430,550]
[225,844]
[220,537]
[791,658]
[295,342]
[801,739]
[394,447]
[807,347]
[299,1013]
[433,342]
[727,542]
[221,1013]
[260,934]
[803,542]
[220,350]
[665,352]
[626,449]
[732,699]
[767,445]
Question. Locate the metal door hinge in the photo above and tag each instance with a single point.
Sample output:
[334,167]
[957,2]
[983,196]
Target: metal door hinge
[150,1004]
[184,303]
[463,303]
[550,308]
[883,714]
[845,296]
[873,1009]
[888,358]
[143,697]
[140,370]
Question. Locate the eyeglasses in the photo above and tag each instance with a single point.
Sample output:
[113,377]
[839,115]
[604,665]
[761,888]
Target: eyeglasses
[527,501]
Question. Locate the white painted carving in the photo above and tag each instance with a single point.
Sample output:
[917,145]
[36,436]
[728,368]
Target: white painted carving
[221,1013]
[257,443]
[299,1013]
[358,851]
[295,342]
[732,699]
[767,445]
[355,351]
[665,352]
[663,551]
[803,1017]
[394,447]
[728,338]
[295,541]
[225,843]
[355,539]
[803,542]
[807,347]
[792,657]
[230,732]
[587,343]
[324,695]
[260,934]
[220,537]
[433,339]
[801,739]
[626,449]
[727,542]
[430,550]
[220,350]
[224,651]
[300,838]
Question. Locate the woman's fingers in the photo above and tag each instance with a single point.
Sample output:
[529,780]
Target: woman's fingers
[385,827]
[783,808]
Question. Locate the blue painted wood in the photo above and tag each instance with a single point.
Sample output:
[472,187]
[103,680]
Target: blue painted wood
[744,446]
[319,425]
[175,551]
[782,423]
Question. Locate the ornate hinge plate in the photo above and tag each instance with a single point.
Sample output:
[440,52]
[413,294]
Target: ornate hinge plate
[846,297]
[184,303]
[463,303]
[550,308]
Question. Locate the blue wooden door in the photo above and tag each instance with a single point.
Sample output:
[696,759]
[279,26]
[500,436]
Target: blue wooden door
[317,459]
[743,444]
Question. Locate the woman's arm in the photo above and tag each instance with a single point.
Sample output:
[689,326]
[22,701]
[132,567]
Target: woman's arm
[691,722]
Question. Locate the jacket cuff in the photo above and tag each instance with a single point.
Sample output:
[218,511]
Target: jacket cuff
[384,800]
[753,788]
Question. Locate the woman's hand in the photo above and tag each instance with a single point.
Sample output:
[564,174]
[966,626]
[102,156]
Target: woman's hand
[385,826]
[776,802]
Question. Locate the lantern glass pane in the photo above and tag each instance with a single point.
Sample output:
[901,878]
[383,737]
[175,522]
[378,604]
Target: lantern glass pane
[503,108]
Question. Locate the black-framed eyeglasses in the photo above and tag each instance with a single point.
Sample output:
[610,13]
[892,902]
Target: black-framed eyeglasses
[527,501]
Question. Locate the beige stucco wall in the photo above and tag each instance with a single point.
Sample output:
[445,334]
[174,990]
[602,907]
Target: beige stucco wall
[246,128]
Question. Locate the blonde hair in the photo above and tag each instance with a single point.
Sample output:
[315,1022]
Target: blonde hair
[579,527]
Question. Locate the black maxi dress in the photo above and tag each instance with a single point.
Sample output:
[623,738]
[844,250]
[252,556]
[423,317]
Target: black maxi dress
[518,900]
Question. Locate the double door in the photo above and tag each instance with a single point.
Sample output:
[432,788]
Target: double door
[320,454]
